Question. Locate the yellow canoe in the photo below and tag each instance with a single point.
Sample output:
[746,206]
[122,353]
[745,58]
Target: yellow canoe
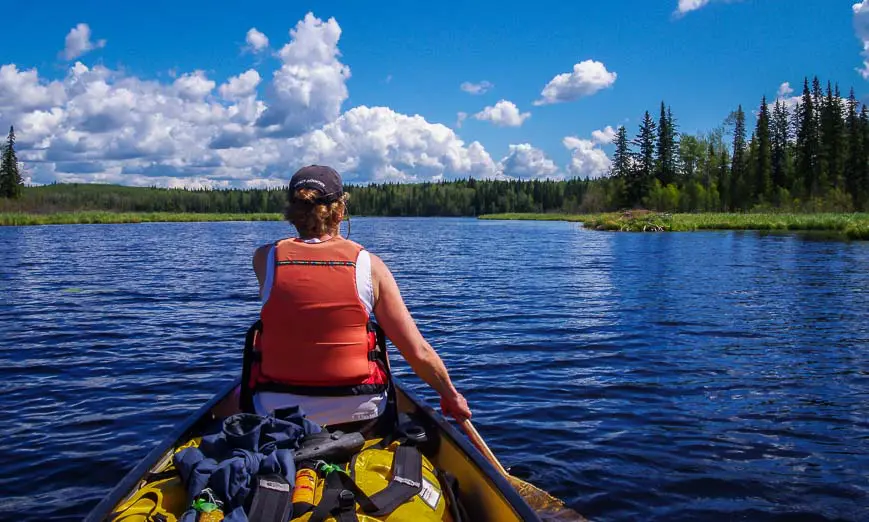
[485,492]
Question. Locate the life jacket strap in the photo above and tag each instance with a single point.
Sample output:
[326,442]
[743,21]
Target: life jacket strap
[320,391]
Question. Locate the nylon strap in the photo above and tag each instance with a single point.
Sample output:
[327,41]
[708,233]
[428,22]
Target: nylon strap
[272,499]
[406,481]
[337,484]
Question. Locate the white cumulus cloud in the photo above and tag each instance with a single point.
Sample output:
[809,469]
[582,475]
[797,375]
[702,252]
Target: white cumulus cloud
[503,114]
[587,78]
[460,119]
[240,86]
[193,86]
[861,28]
[784,90]
[527,162]
[78,42]
[310,87]
[686,6]
[587,160]
[476,88]
[256,41]
[604,136]
[22,91]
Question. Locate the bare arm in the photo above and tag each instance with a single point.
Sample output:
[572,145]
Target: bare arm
[395,319]
[260,259]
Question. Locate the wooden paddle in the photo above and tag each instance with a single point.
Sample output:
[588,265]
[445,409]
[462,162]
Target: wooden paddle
[548,508]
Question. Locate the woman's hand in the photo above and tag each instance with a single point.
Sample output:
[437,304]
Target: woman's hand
[456,407]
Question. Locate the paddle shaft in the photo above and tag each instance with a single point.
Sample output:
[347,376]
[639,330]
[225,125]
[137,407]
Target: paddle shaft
[541,501]
[478,441]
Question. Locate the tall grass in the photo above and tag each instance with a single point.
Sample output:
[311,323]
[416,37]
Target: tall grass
[95,217]
[852,226]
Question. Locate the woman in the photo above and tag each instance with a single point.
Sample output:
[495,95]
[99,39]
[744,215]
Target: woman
[320,293]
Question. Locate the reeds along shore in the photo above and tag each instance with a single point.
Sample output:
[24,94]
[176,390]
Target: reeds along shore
[98,217]
[852,226]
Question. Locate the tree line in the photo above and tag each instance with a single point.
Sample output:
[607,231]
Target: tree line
[813,156]
[466,197]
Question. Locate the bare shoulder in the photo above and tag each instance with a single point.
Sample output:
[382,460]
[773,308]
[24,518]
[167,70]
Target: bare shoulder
[260,259]
[260,253]
[378,267]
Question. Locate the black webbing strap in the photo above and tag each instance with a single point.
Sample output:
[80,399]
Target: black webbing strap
[406,481]
[272,499]
[340,495]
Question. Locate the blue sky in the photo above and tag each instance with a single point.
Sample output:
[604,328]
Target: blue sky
[403,56]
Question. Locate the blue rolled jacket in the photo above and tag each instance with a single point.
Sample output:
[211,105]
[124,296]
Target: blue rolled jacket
[246,445]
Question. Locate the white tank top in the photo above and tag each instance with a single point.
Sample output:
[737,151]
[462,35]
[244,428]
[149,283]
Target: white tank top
[326,411]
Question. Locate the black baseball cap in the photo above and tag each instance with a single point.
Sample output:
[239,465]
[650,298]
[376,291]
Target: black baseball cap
[325,180]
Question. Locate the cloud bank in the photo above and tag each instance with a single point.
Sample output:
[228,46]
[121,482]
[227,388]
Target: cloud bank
[254,129]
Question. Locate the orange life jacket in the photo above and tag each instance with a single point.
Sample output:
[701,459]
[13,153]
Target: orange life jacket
[317,337]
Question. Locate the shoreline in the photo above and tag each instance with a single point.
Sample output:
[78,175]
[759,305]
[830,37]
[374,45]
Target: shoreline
[849,226]
[98,217]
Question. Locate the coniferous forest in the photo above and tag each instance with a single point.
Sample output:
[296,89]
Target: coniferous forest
[805,155]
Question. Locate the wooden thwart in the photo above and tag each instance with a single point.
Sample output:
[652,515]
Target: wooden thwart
[547,507]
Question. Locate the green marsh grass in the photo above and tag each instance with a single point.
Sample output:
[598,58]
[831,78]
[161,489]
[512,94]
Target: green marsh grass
[98,217]
[852,226]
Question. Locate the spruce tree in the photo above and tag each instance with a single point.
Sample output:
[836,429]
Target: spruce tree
[621,165]
[780,144]
[10,178]
[747,191]
[665,162]
[855,150]
[724,180]
[763,167]
[738,166]
[709,167]
[621,168]
[645,156]
[807,144]
[837,149]
[863,172]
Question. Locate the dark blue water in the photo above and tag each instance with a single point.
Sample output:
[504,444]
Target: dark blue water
[702,376]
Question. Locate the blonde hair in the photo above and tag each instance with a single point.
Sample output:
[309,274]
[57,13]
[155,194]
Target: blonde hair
[312,218]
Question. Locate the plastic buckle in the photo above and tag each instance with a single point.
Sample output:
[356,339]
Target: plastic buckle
[346,499]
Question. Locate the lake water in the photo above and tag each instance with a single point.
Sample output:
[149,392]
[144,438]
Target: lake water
[713,376]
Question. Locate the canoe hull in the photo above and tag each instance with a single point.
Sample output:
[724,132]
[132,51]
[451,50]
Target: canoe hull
[486,494]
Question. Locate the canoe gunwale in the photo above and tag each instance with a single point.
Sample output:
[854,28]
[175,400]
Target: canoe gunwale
[126,485]
[124,488]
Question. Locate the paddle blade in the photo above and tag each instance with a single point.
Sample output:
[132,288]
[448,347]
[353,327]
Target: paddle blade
[547,507]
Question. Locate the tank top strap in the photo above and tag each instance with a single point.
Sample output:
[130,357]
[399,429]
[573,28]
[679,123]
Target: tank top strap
[364,285]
